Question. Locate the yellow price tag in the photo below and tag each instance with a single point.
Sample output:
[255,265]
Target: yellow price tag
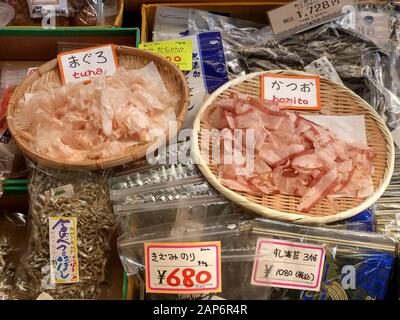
[178,52]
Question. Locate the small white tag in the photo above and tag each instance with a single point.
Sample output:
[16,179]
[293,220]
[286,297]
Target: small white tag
[285,264]
[40,8]
[83,64]
[183,267]
[324,68]
[375,26]
[66,191]
[63,250]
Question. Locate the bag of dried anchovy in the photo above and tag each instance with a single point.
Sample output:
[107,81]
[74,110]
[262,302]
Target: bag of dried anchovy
[12,227]
[71,224]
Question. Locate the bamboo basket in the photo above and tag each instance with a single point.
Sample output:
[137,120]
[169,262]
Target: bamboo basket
[128,57]
[336,100]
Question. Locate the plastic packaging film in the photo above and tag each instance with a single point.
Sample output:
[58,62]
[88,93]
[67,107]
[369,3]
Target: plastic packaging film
[66,196]
[370,255]
[66,12]
[12,225]
[359,61]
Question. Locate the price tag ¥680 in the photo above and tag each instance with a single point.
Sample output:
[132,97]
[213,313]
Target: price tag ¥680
[183,267]
[83,64]
[285,264]
[294,91]
[179,52]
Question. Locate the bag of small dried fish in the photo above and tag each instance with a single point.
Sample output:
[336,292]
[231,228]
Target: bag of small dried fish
[12,227]
[71,223]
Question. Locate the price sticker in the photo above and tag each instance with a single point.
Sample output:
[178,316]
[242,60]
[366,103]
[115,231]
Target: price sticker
[285,264]
[179,52]
[301,15]
[183,267]
[295,92]
[83,64]
[63,249]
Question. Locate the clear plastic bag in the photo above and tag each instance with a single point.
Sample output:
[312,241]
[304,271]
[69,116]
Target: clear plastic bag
[12,163]
[12,228]
[65,12]
[360,63]
[236,268]
[195,210]
[7,13]
[180,190]
[371,255]
[78,194]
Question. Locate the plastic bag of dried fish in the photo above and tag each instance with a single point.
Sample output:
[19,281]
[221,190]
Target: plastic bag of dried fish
[237,258]
[12,227]
[360,63]
[71,223]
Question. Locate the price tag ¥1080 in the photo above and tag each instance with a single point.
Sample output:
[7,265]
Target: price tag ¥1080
[183,267]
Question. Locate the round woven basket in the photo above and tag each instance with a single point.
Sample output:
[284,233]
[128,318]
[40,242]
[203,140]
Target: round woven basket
[129,57]
[335,100]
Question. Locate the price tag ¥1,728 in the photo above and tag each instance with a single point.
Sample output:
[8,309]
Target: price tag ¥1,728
[183,267]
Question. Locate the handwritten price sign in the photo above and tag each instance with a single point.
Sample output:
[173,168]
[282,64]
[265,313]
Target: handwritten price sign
[285,264]
[183,267]
[179,52]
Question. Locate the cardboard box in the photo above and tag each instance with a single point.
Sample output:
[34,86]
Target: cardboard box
[253,11]
[42,44]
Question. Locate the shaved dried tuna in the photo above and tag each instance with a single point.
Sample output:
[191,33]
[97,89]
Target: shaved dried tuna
[292,155]
[77,121]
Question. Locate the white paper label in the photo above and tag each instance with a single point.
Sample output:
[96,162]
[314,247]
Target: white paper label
[301,15]
[324,68]
[285,264]
[40,8]
[183,267]
[83,64]
[66,191]
[295,92]
[375,26]
[63,249]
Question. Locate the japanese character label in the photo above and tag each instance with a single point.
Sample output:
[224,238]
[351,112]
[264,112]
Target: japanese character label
[40,8]
[285,264]
[183,267]
[63,250]
[83,64]
[301,15]
[324,68]
[294,92]
[179,52]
